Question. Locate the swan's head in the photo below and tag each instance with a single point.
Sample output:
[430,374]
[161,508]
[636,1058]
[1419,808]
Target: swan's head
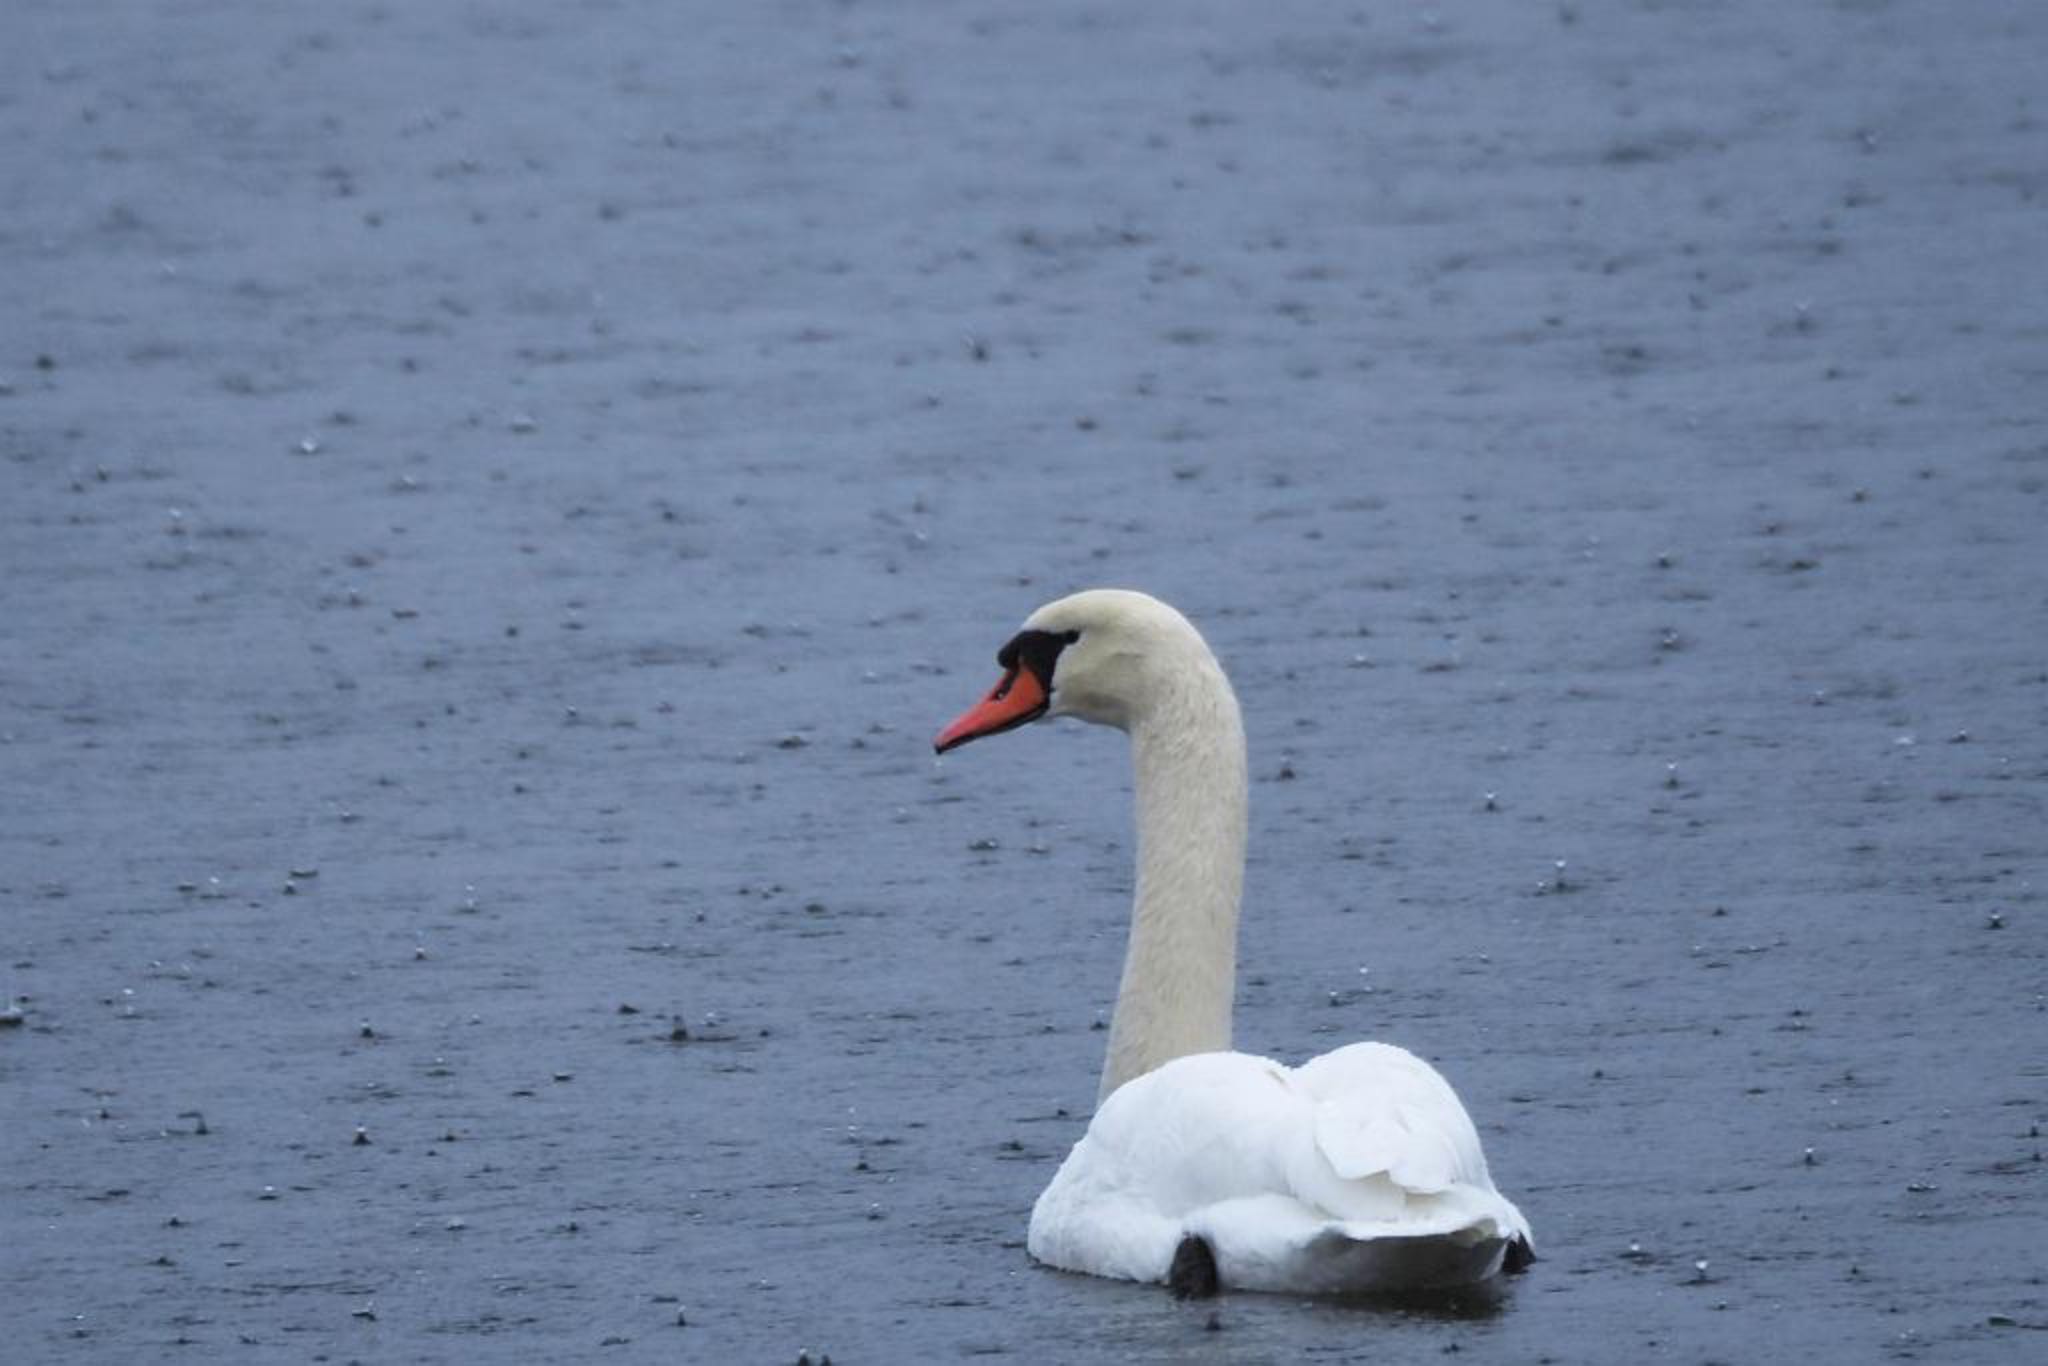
[1108,655]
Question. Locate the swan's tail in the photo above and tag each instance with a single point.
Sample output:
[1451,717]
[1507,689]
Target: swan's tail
[1274,1243]
[1339,1264]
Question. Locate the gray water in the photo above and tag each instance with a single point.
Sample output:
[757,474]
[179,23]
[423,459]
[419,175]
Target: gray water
[495,500]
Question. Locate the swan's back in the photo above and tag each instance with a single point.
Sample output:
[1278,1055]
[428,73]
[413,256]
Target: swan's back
[1356,1173]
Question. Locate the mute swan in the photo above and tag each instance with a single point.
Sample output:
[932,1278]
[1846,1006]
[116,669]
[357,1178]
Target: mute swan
[1357,1173]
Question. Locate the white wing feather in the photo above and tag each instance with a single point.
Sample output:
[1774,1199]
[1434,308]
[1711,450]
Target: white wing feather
[1356,1172]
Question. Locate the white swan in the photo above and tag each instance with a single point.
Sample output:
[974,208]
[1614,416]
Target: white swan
[1357,1173]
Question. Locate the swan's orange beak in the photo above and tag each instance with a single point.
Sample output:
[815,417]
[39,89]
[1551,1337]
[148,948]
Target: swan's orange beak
[1017,697]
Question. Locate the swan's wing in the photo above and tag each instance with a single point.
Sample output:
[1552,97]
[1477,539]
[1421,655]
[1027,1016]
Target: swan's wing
[1382,1110]
[1393,1152]
[1362,1136]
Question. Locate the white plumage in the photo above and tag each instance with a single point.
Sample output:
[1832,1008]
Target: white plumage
[1358,1172]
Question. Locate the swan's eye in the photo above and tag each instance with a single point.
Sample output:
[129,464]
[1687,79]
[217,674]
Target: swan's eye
[1037,651]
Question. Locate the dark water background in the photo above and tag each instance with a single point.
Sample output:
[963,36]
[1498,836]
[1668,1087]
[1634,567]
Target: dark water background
[494,500]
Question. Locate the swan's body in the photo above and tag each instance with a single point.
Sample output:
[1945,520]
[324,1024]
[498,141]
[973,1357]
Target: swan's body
[1356,1173]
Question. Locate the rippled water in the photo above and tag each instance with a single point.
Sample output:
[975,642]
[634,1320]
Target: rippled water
[498,500]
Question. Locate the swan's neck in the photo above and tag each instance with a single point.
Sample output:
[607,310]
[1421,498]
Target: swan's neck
[1180,972]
